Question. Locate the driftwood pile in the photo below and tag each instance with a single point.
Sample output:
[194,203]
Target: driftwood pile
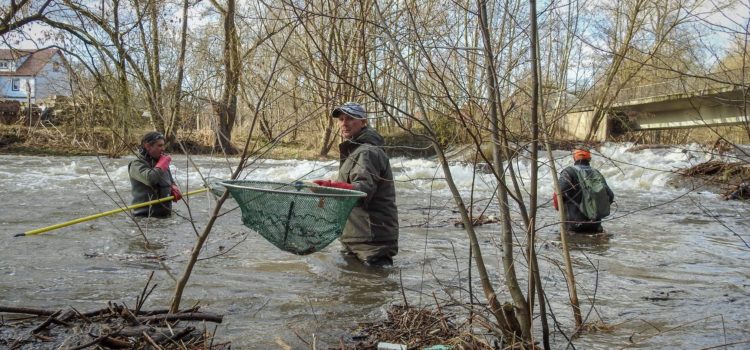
[113,327]
[417,329]
[714,167]
[733,176]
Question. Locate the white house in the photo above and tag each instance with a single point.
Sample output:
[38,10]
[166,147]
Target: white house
[33,74]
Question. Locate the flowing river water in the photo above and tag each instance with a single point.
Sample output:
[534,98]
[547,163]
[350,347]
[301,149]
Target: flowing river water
[673,273]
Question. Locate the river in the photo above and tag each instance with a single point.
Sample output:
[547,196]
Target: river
[672,274]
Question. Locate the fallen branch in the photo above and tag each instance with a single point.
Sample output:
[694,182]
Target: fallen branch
[26,310]
[46,322]
[191,316]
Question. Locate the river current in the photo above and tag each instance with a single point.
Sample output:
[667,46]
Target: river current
[672,273]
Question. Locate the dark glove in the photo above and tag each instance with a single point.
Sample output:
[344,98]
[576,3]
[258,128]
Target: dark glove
[176,193]
[334,184]
[554,201]
[163,162]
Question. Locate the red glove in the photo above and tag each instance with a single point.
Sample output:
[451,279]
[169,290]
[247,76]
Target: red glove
[334,184]
[554,201]
[176,193]
[163,162]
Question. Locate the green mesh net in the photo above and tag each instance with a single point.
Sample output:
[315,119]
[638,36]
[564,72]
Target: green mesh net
[297,218]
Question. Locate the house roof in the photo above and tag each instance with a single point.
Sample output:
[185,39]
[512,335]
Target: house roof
[31,65]
[13,54]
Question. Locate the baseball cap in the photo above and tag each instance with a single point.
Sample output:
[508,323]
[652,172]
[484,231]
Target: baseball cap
[352,109]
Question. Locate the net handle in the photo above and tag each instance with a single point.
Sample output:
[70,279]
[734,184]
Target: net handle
[344,193]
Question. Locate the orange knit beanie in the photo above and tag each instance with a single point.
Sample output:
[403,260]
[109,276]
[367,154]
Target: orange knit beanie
[581,154]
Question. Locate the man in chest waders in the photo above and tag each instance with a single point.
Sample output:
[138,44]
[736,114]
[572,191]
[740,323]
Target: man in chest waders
[585,195]
[150,177]
[371,233]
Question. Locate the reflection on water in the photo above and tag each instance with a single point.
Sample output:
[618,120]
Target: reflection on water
[663,263]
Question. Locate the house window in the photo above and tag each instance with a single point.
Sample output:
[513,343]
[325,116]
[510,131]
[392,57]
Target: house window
[4,65]
[16,84]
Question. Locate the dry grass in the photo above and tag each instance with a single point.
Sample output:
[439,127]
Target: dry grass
[49,140]
[417,329]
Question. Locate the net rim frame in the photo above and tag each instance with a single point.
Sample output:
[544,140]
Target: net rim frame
[348,193]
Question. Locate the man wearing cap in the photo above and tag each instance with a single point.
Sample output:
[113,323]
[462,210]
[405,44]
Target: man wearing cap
[572,194]
[150,177]
[371,233]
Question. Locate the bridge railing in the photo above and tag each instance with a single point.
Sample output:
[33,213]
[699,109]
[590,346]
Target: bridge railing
[686,85]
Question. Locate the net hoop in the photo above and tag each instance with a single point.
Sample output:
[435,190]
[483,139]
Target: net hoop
[300,218]
[338,192]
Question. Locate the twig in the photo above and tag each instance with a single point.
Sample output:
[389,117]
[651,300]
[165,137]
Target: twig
[46,322]
[442,314]
[128,315]
[282,344]
[97,312]
[151,341]
[191,316]
[403,293]
[81,316]
[725,345]
[95,341]
[175,337]
[143,296]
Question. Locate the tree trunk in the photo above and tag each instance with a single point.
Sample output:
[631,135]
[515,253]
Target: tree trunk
[177,98]
[511,281]
[227,112]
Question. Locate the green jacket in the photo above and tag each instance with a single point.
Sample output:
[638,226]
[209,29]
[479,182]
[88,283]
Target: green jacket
[149,183]
[364,164]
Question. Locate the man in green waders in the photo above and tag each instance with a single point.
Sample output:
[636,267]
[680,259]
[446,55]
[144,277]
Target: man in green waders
[371,233]
[150,177]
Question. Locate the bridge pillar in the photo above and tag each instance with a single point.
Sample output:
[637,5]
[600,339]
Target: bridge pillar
[576,124]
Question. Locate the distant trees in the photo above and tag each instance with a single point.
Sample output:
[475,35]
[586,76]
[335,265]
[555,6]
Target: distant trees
[145,53]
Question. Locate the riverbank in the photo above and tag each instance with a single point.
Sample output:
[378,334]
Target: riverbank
[48,140]
[51,141]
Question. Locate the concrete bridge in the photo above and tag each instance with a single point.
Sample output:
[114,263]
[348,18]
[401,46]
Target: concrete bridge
[680,103]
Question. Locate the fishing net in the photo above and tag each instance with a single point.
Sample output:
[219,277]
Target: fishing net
[297,218]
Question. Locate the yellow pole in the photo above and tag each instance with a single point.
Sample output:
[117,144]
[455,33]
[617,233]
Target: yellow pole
[96,216]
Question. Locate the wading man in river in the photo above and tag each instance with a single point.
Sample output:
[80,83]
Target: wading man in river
[585,195]
[150,177]
[371,233]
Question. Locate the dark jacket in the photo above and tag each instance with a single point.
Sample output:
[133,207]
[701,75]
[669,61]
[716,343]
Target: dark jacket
[364,164]
[149,183]
[572,198]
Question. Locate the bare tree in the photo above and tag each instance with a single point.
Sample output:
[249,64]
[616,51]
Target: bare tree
[226,107]
[19,13]
[633,42]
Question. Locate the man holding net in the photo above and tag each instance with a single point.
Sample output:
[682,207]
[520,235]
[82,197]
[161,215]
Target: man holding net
[371,233]
[150,177]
